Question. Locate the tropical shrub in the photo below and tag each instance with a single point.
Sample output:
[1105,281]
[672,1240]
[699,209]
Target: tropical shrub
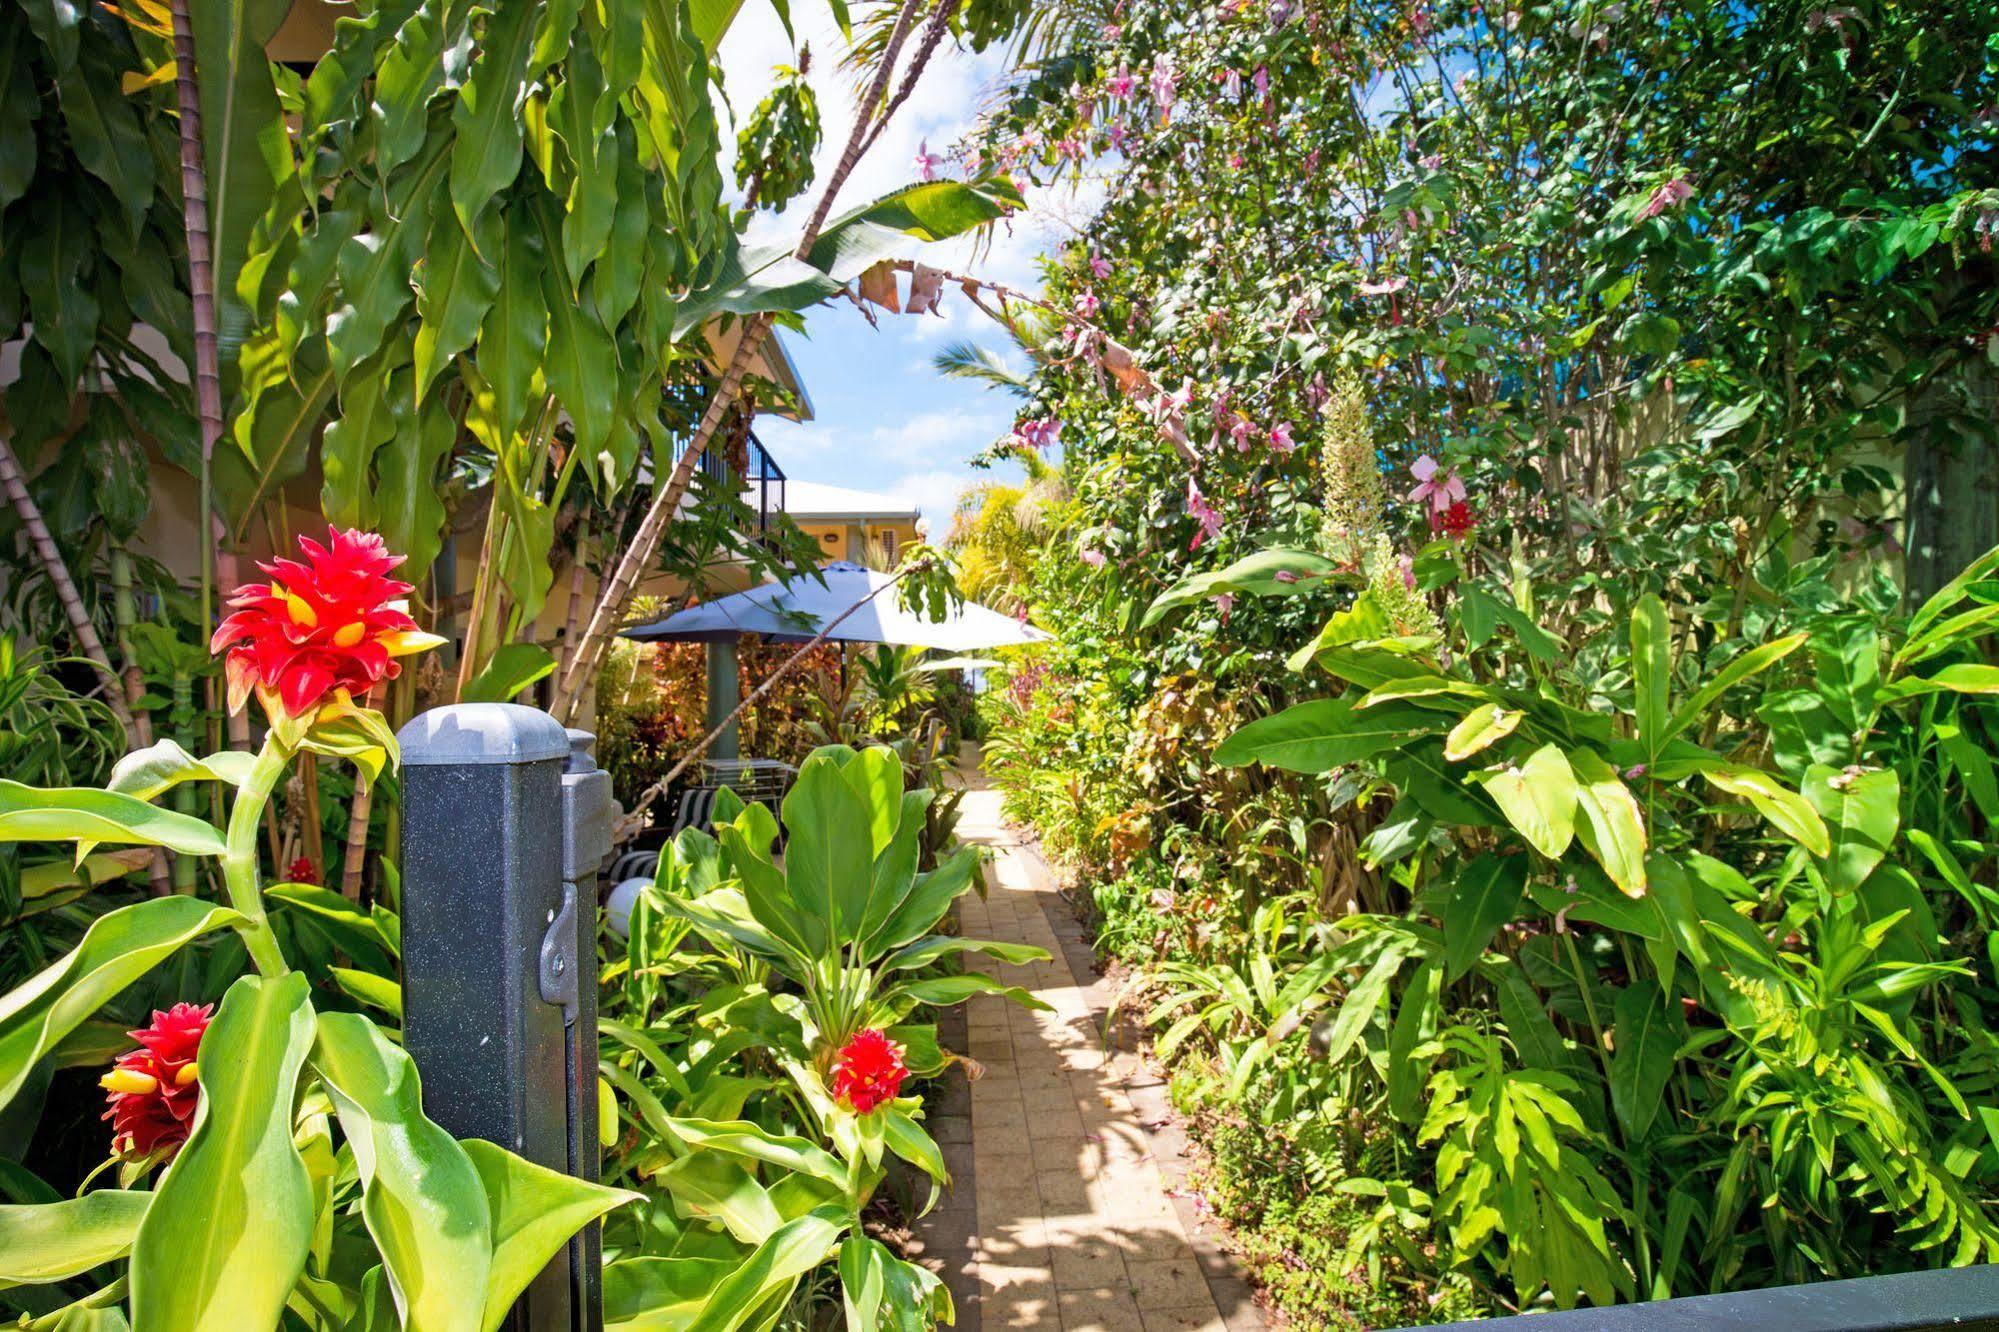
[765,1019]
[285,1134]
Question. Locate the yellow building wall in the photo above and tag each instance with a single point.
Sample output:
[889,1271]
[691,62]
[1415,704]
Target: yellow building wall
[861,543]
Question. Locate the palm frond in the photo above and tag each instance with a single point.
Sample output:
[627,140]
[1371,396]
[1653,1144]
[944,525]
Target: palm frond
[968,360]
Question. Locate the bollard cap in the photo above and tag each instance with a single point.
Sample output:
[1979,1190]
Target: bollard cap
[482,733]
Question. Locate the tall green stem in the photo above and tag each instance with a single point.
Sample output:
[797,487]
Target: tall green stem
[239,859]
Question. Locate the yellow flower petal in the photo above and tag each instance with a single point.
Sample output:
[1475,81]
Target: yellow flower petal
[348,635]
[301,613]
[130,1081]
[409,642]
[186,1075]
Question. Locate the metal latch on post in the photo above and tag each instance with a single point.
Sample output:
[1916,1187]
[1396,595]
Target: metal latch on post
[558,969]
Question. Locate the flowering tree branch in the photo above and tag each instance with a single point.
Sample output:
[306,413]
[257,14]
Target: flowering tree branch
[639,556]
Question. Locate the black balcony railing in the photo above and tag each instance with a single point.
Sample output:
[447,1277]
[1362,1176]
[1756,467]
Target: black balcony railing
[762,486]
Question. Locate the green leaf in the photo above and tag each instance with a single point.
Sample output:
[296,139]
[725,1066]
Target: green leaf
[1483,897]
[1482,726]
[455,287]
[1415,1023]
[1650,1031]
[1953,592]
[232,1220]
[486,151]
[1786,810]
[513,334]
[87,815]
[1538,798]
[246,146]
[421,1196]
[581,362]
[1741,667]
[119,947]
[1651,672]
[1267,573]
[829,859]
[792,1250]
[1863,810]
[1962,678]
[1324,734]
[42,1242]
[511,669]
[368,988]
[534,1213]
[1613,827]
[144,773]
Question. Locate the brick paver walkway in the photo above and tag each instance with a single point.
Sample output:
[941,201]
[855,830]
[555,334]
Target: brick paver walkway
[1071,1225]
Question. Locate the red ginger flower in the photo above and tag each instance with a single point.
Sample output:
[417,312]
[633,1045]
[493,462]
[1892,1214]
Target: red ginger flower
[868,1071]
[333,624]
[1456,520]
[302,871]
[153,1090]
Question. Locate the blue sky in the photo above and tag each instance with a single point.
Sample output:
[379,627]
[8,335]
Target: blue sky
[885,420]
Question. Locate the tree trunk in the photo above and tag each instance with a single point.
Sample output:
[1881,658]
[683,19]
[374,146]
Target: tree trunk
[1951,479]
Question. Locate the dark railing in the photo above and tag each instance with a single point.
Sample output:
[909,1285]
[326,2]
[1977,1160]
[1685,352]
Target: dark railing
[767,480]
[762,485]
[1966,1298]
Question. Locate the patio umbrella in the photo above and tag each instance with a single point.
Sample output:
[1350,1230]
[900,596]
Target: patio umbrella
[797,613]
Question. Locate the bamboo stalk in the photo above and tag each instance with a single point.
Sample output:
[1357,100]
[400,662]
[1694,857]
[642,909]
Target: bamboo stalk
[353,860]
[218,560]
[124,614]
[639,556]
[15,484]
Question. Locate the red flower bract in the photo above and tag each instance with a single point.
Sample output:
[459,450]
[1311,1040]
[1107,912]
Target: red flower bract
[1456,520]
[152,1090]
[335,621]
[868,1071]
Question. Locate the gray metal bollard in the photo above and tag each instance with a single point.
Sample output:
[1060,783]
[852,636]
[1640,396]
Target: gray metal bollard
[506,821]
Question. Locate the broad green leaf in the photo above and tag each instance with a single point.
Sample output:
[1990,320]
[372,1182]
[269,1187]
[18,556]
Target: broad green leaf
[231,1222]
[1953,592]
[1612,827]
[42,1242]
[368,988]
[87,815]
[534,1213]
[1482,898]
[1651,672]
[365,421]
[1741,667]
[1862,808]
[1362,1002]
[511,669]
[246,146]
[119,947]
[929,898]
[829,860]
[1789,812]
[456,282]
[1267,573]
[144,773]
[1415,1023]
[792,1250]
[1962,678]
[1324,734]
[513,334]
[408,511]
[1650,1030]
[486,151]
[581,362]
[1538,798]
[421,1196]
[1482,726]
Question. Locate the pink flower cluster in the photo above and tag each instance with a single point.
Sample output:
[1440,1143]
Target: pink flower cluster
[1039,434]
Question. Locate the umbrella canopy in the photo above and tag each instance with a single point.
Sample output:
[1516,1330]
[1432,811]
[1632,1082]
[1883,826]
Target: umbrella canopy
[797,613]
